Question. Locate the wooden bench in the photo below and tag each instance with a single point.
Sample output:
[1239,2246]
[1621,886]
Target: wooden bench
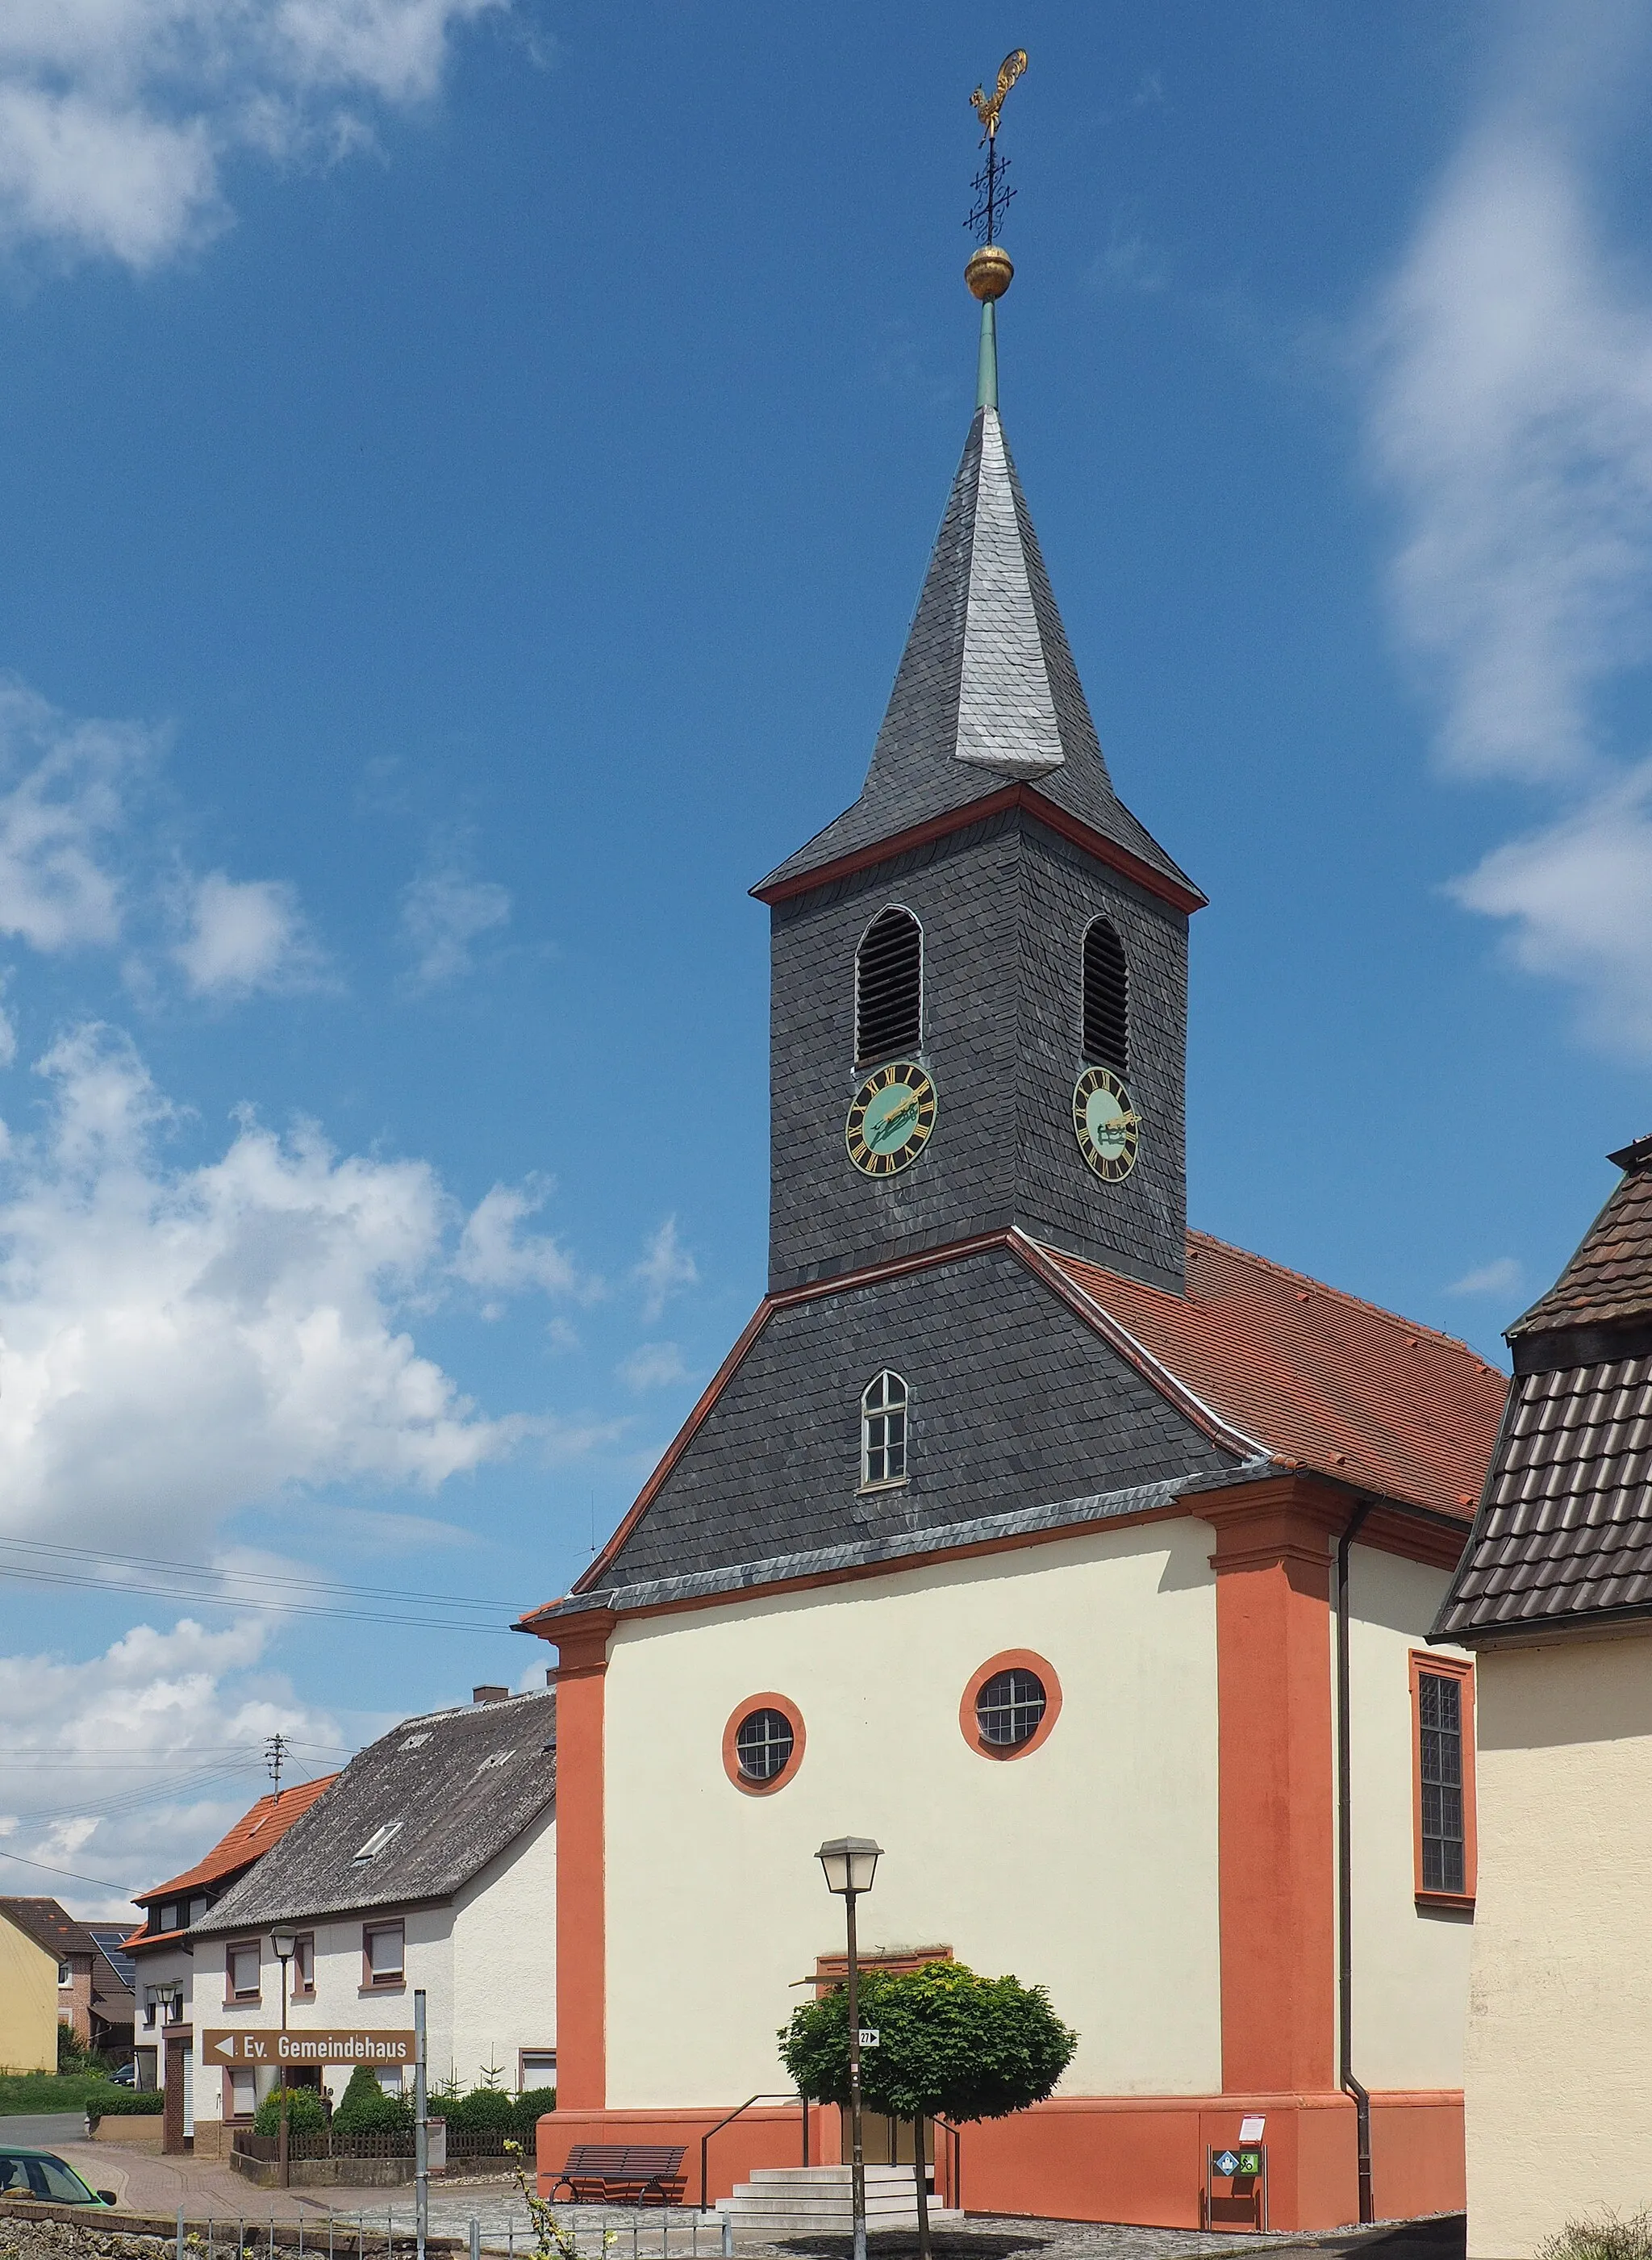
[621,2173]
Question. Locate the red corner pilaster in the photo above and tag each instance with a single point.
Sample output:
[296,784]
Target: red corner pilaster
[582,1961]
[1277,1877]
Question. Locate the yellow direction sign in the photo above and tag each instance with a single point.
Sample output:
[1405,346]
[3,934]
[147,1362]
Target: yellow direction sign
[245,2046]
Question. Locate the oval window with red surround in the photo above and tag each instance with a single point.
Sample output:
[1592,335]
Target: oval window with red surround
[1011,1704]
[762,1744]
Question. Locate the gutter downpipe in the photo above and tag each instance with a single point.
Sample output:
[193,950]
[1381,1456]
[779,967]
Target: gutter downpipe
[1349,2084]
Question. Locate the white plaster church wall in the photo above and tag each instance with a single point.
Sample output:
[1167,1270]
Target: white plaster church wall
[1089,1865]
[1410,1965]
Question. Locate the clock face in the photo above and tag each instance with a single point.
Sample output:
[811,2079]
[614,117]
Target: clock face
[890,1117]
[1106,1123]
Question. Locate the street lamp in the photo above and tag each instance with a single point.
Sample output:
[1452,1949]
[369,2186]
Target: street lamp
[850,1862]
[285,1943]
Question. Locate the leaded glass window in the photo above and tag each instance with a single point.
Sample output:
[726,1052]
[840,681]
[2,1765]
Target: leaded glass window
[1009,1708]
[1440,1725]
[763,1744]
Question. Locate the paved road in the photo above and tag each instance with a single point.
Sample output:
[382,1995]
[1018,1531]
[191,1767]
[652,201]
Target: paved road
[46,2132]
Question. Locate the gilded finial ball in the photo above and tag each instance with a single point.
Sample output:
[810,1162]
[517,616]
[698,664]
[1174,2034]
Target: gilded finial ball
[989,272]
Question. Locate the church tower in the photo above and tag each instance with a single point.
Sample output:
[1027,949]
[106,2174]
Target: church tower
[979,971]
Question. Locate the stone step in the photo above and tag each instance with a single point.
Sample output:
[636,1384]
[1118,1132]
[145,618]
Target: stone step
[758,2227]
[829,2177]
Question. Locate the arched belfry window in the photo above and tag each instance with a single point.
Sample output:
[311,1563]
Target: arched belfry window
[883,1431]
[889,988]
[1107,999]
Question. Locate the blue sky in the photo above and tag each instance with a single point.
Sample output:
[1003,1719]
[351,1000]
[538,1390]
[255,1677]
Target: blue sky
[466,467]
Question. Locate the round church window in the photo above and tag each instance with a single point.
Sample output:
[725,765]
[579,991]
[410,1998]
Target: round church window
[1010,1709]
[762,1743]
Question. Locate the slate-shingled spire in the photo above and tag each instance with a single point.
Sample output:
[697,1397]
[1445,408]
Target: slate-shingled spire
[986,694]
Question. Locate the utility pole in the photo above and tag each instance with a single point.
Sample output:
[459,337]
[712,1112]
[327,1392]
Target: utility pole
[421,2131]
[275,1758]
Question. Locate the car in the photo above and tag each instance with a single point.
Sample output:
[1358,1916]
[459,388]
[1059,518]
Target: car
[46,2178]
[126,2076]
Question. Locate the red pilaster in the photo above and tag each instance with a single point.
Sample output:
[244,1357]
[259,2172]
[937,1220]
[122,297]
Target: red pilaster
[1278,1876]
[582,1961]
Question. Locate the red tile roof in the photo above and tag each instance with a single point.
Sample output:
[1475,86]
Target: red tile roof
[1316,1376]
[251,1837]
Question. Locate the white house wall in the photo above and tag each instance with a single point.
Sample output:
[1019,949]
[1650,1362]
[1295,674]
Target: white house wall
[1410,1964]
[1090,1863]
[505,1957]
[1559,2071]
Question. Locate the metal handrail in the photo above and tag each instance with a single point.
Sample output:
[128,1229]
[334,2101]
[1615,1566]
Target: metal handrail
[705,2139]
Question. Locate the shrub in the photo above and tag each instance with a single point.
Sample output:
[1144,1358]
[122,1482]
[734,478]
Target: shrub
[1605,2236]
[531,2105]
[305,2112]
[482,2112]
[364,2108]
[112,2102]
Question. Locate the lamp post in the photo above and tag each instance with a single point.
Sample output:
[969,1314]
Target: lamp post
[850,1862]
[285,1943]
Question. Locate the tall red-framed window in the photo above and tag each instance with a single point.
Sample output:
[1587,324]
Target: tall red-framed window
[1442,1780]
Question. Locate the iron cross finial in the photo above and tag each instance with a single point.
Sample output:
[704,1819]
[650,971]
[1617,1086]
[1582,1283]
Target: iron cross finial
[1009,70]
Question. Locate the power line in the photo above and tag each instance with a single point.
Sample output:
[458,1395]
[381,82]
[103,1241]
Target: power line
[74,1874]
[235,1601]
[254,1577]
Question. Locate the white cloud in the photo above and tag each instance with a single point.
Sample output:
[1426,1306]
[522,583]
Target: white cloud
[128,1765]
[245,936]
[667,1268]
[116,117]
[654,1365]
[175,1343]
[443,911]
[1510,417]
[63,789]
[1500,1276]
[495,1254]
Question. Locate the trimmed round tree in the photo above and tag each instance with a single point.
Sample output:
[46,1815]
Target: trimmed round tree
[951,2045]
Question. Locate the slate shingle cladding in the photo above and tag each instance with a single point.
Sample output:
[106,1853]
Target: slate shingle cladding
[464,1783]
[1014,1401]
[1003,906]
[967,673]
[1564,1535]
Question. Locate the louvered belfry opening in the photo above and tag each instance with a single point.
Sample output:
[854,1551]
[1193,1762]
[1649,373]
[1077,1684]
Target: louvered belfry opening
[889,988]
[1106,999]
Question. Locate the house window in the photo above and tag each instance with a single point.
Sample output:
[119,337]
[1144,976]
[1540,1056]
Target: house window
[883,1431]
[1442,1762]
[169,1916]
[197,1908]
[889,988]
[241,1963]
[1107,999]
[243,2093]
[303,1967]
[762,1743]
[1010,1709]
[383,1955]
[376,1842]
[535,2068]
[65,1974]
[162,2005]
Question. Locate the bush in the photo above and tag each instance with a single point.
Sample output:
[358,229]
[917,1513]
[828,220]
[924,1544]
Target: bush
[531,2105]
[482,2112]
[73,2055]
[364,2108]
[112,2102]
[305,2115]
[1604,2237]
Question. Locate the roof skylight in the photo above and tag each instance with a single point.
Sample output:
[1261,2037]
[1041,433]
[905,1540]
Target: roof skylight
[376,1842]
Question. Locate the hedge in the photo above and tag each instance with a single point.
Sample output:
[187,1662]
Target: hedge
[126,2103]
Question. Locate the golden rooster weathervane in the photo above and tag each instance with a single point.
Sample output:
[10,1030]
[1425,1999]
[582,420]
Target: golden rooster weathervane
[1009,70]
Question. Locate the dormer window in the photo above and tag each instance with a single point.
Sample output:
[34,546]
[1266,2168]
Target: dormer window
[889,988]
[883,1431]
[376,1842]
[1106,1030]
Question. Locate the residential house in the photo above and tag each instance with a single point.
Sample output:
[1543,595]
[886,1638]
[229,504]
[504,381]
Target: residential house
[1085,1562]
[51,1974]
[1554,1597]
[163,1957]
[430,1863]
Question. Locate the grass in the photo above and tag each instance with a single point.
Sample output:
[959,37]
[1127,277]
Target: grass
[1607,2237]
[48,2091]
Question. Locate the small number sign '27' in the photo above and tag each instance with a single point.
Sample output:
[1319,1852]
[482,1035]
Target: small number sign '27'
[869,2036]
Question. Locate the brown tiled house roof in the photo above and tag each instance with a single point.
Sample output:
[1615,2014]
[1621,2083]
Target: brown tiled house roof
[45,1923]
[1315,1377]
[1564,1530]
[252,1836]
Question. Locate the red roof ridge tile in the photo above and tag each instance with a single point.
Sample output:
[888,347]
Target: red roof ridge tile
[1342,1294]
[243,1843]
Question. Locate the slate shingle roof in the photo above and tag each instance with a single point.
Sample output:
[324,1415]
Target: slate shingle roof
[986,692]
[462,1784]
[1319,1378]
[1564,1530]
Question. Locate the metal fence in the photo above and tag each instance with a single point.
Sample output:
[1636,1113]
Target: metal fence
[328,2142]
[597,2233]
